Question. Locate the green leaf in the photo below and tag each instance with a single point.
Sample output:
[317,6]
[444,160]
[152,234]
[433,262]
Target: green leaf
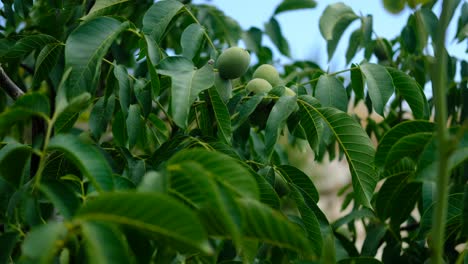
[170,218]
[357,81]
[300,180]
[105,7]
[331,92]
[66,112]
[273,30]
[357,148]
[101,115]
[42,243]
[46,61]
[333,22]
[395,134]
[192,40]
[280,112]
[233,176]
[64,198]
[224,87]
[407,146]
[87,158]
[289,5]
[85,57]
[311,121]
[359,260]
[352,216]
[366,29]
[410,90]
[27,44]
[105,243]
[134,124]
[429,160]
[158,17]
[221,113]
[310,220]
[13,160]
[454,219]
[143,95]
[187,83]
[354,43]
[26,107]
[261,223]
[247,108]
[125,90]
[380,85]
[267,193]
[7,244]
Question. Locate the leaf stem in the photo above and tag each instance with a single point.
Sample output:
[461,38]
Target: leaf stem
[204,31]
[439,90]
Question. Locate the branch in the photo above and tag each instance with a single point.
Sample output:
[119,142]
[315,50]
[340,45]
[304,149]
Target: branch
[9,86]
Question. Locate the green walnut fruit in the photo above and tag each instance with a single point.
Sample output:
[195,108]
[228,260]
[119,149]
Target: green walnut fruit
[258,85]
[233,63]
[289,92]
[268,73]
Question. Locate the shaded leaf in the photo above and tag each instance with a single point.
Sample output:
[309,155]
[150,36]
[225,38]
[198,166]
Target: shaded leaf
[46,60]
[247,108]
[352,216]
[7,243]
[27,44]
[101,115]
[276,121]
[63,197]
[354,43]
[311,121]
[125,89]
[357,81]
[87,158]
[300,180]
[223,119]
[408,146]
[273,30]
[170,218]
[41,244]
[13,160]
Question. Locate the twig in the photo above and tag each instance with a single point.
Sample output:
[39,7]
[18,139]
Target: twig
[9,86]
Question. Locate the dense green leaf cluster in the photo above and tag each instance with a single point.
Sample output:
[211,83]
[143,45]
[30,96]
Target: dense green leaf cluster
[127,145]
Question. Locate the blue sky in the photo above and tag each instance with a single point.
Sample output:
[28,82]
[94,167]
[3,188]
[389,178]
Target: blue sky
[301,27]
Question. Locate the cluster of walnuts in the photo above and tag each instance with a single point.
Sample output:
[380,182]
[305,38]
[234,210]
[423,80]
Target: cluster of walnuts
[235,61]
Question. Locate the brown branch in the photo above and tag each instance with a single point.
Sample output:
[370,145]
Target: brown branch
[9,86]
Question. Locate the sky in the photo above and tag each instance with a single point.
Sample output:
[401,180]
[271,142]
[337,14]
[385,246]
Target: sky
[301,28]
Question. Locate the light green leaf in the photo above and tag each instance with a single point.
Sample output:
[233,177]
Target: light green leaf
[187,83]
[158,17]
[289,5]
[261,223]
[380,85]
[46,60]
[396,133]
[410,90]
[333,22]
[232,175]
[87,158]
[276,121]
[331,92]
[153,213]
[105,7]
[100,116]
[357,148]
[192,40]
[105,244]
[273,30]
[311,121]
[85,57]
[221,113]
[13,160]
[41,244]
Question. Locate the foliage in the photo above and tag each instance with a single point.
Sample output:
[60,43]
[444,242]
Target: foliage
[122,144]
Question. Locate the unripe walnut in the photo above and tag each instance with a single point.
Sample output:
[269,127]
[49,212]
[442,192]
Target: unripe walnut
[233,63]
[268,73]
[258,85]
[289,92]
